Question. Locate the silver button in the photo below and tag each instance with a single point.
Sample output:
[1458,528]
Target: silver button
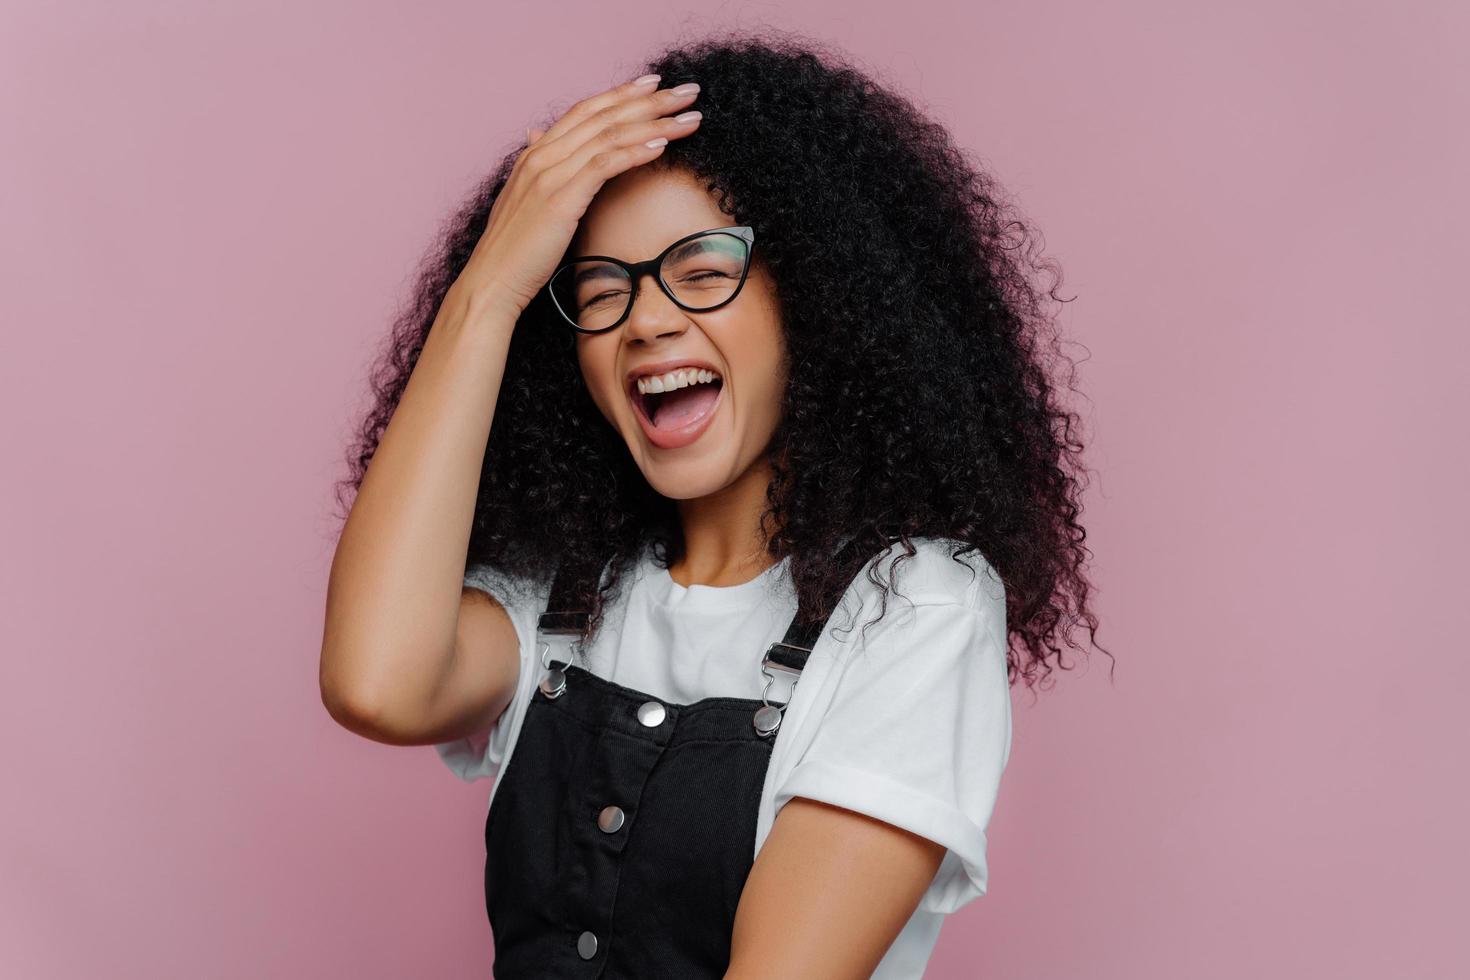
[586,945]
[651,714]
[554,684]
[767,719]
[610,819]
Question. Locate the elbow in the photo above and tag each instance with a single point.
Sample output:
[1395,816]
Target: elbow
[381,708]
[348,706]
[349,701]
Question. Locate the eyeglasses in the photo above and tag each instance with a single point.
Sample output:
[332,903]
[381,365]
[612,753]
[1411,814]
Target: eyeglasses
[699,272]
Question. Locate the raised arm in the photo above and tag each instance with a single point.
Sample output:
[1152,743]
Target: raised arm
[408,655]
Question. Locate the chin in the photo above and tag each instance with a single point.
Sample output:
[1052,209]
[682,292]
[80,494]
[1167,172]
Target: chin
[687,479]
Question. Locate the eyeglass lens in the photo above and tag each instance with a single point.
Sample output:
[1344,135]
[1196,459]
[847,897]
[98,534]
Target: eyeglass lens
[701,273]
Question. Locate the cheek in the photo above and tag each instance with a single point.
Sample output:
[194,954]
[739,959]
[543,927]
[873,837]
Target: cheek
[767,394]
[606,396]
[597,374]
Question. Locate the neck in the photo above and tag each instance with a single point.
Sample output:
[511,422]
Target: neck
[723,543]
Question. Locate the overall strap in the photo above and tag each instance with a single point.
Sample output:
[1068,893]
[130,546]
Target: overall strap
[565,616]
[792,650]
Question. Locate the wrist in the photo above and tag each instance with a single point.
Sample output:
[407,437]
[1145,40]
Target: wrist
[485,308]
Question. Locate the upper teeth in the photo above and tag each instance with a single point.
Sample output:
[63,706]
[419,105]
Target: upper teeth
[681,378]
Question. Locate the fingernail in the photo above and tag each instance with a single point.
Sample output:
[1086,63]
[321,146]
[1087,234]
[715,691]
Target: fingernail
[646,80]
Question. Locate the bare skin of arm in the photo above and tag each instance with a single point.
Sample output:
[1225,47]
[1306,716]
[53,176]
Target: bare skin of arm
[410,656]
[829,892]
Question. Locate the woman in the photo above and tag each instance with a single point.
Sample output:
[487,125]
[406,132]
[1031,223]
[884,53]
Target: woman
[679,387]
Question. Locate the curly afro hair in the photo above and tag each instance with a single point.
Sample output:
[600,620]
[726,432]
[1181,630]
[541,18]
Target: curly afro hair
[918,312]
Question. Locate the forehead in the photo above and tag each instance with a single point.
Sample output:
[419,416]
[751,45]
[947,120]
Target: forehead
[640,212]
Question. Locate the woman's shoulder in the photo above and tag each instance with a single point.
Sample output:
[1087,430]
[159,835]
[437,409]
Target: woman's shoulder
[940,571]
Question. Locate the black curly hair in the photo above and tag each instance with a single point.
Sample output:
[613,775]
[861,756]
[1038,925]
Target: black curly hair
[920,337]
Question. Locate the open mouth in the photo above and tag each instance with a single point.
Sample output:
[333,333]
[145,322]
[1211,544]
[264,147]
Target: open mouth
[672,419]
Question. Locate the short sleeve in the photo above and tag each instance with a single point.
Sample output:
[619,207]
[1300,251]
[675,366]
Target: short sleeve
[917,734]
[479,755]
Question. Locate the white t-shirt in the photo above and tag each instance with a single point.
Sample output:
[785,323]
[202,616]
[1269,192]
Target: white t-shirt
[910,724]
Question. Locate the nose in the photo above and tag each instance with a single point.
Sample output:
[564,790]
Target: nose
[653,314]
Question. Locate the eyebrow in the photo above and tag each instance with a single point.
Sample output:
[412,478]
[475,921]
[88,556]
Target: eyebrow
[680,252]
[591,272]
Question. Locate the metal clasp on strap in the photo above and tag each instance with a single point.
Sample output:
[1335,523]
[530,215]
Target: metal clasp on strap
[768,716]
[570,623]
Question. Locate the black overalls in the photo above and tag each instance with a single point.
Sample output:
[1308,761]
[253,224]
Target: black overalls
[622,837]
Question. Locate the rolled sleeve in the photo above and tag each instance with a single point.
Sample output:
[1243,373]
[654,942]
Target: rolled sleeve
[917,734]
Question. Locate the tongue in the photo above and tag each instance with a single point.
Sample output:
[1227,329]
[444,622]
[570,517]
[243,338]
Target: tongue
[683,405]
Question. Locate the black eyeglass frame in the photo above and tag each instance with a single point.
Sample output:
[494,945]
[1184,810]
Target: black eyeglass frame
[637,270]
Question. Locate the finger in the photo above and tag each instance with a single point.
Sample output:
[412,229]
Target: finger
[593,104]
[612,150]
[639,118]
[602,165]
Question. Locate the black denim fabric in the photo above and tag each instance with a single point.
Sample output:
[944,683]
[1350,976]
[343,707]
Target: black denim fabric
[660,892]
